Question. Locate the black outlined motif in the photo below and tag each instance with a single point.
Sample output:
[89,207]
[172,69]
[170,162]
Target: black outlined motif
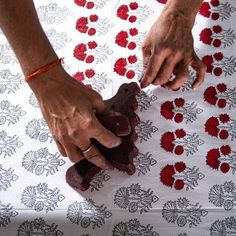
[33,101]
[7,55]
[41,198]
[38,129]
[133,227]
[38,227]
[9,83]
[52,13]
[224,227]
[87,214]
[58,40]
[8,144]
[223,195]
[145,130]
[10,113]
[182,212]
[134,198]
[143,162]
[6,213]
[98,179]
[41,161]
[145,100]
[6,177]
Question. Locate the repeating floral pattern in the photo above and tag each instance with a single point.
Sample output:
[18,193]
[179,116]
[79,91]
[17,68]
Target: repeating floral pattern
[182,212]
[143,163]
[133,227]
[134,198]
[7,176]
[9,82]
[223,195]
[41,161]
[224,227]
[38,129]
[88,214]
[41,197]
[38,226]
[10,114]
[6,213]
[8,144]
[192,153]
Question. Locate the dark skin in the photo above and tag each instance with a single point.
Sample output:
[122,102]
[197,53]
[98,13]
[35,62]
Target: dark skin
[69,107]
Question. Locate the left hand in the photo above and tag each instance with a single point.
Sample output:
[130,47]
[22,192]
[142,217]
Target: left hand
[168,48]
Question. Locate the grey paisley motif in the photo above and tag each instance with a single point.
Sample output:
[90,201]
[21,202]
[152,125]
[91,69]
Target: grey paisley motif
[38,226]
[224,227]
[143,163]
[33,100]
[7,55]
[6,177]
[133,227]
[145,100]
[38,129]
[41,198]
[134,198]
[182,212]
[98,179]
[183,234]
[6,213]
[145,130]
[87,214]
[8,144]
[223,195]
[41,161]
[52,13]
[9,83]
[58,40]
[10,113]
[98,81]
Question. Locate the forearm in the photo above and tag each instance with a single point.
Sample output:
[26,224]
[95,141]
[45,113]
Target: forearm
[20,24]
[186,8]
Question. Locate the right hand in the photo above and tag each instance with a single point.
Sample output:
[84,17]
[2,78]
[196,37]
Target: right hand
[69,108]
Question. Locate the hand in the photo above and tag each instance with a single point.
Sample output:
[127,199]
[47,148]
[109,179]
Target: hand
[168,48]
[69,109]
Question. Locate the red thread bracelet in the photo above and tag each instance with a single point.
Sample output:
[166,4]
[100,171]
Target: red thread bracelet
[43,69]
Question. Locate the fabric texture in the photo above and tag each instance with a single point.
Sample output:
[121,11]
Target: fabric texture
[185,173]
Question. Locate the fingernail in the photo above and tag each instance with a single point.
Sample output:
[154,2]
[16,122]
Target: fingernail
[143,85]
[117,143]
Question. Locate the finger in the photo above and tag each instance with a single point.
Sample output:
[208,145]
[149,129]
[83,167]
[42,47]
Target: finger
[153,67]
[146,52]
[100,107]
[60,148]
[95,157]
[200,69]
[166,70]
[73,152]
[103,135]
[182,76]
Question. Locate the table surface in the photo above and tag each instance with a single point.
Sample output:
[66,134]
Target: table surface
[185,173]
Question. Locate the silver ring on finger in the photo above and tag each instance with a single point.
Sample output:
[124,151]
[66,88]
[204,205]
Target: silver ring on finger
[87,149]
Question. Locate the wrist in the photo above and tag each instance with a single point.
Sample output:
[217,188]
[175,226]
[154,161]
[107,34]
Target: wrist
[183,9]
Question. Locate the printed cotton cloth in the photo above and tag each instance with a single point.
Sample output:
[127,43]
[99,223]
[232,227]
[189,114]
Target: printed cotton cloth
[184,183]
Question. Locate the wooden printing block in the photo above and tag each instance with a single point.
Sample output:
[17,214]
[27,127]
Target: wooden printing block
[122,122]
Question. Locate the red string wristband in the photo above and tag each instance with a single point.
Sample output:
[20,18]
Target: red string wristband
[43,69]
